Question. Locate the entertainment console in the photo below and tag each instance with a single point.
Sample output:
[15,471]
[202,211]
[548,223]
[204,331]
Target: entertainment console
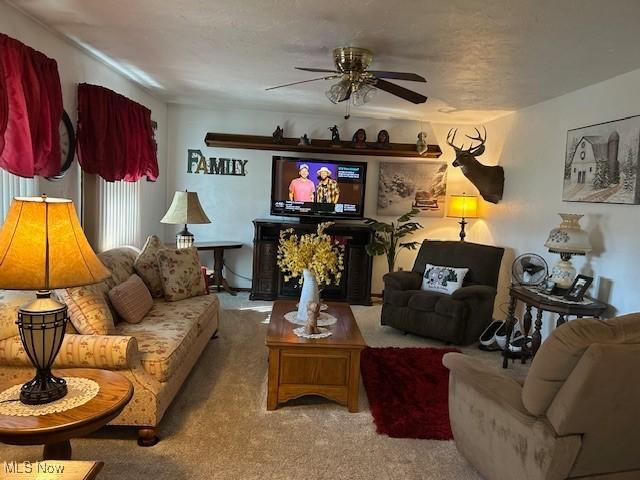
[268,283]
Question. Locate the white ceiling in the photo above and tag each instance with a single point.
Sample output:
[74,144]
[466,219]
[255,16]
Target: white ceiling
[481,58]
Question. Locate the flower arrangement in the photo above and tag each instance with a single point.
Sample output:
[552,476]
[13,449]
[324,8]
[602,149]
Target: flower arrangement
[315,252]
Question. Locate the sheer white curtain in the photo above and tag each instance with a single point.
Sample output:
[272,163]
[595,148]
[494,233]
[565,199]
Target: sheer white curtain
[14,186]
[119,217]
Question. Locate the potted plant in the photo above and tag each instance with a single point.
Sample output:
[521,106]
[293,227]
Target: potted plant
[387,237]
[314,258]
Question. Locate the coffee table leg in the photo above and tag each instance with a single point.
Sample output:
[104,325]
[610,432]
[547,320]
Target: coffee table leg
[273,379]
[57,451]
[354,382]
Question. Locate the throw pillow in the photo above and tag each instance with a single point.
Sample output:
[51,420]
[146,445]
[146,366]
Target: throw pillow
[442,279]
[89,311]
[180,273]
[146,265]
[10,301]
[131,299]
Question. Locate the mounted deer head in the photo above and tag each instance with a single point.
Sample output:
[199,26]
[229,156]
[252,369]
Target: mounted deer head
[488,180]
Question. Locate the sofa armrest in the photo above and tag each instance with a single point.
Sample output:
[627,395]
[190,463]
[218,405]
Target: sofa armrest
[111,352]
[503,390]
[403,280]
[482,292]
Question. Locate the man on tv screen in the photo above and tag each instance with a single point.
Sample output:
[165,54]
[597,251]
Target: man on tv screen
[302,189]
[328,190]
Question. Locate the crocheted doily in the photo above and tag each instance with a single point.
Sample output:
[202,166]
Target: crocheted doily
[79,391]
[324,333]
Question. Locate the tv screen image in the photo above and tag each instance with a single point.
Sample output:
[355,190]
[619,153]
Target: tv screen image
[317,188]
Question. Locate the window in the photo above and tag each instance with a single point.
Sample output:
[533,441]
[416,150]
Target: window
[590,169]
[582,155]
[14,186]
[119,214]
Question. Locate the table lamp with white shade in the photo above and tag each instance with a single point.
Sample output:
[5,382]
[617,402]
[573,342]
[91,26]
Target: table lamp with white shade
[43,247]
[567,240]
[184,209]
[463,207]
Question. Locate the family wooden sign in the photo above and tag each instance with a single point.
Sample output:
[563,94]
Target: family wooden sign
[198,163]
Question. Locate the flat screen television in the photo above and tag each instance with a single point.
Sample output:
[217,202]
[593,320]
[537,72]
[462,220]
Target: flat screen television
[305,187]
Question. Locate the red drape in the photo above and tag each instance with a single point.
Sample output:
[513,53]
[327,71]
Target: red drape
[115,136]
[30,110]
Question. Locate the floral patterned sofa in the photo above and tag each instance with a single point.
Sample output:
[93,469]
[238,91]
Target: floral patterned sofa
[156,355]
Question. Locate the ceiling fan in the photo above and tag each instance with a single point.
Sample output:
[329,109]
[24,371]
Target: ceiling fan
[356,82]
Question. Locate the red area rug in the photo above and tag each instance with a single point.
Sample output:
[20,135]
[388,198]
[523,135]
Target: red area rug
[408,391]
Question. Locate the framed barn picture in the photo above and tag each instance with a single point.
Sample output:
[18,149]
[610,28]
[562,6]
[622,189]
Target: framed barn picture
[406,185]
[601,163]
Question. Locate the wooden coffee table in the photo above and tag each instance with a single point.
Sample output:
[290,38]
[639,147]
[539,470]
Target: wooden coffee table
[56,429]
[329,367]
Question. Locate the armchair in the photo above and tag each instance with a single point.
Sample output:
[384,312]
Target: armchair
[459,318]
[575,416]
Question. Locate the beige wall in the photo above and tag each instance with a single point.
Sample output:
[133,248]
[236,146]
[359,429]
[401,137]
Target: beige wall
[233,202]
[530,144]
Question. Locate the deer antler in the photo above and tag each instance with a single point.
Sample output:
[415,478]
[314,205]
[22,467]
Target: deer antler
[451,137]
[478,149]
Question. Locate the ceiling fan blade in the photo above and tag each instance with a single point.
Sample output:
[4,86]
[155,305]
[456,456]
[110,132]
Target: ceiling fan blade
[316,70]
[347,95]
[303,81]
[399,91]
[412,77]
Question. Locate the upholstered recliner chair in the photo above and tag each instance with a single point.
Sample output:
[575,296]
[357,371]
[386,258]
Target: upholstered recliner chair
[459,318]
[576,416]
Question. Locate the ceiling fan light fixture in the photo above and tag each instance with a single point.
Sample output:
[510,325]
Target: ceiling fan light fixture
[337,91]
[364,94]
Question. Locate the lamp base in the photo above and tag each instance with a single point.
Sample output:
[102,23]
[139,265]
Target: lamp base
[41,325]
[462,223]
[43,388]
[184,239]
[563,273]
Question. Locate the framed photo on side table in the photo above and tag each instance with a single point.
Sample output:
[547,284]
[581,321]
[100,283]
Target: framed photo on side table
[578,288]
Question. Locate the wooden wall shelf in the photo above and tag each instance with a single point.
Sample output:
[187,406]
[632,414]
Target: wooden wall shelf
[257,142]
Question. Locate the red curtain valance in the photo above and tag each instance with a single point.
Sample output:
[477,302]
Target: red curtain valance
[115,136]
[30,110]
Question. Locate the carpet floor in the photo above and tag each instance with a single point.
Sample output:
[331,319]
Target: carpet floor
[218,426]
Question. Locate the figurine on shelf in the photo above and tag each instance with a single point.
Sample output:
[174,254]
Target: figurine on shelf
[278,135]
[383,140]
[421,144]
[359,139]
[335,136]
[313,312]
[304,140]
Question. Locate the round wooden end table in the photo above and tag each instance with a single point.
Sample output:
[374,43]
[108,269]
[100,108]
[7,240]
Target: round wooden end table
[54,430]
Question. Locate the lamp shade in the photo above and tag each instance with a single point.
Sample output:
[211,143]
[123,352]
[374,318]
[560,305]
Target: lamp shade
[42,247]
[463,206]
[185,208]
[569,237]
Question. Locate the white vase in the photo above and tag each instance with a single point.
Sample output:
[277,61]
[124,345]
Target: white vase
[309,294]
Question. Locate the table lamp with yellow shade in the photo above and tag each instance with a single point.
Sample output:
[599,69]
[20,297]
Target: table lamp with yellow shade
[463,207]
[43,247]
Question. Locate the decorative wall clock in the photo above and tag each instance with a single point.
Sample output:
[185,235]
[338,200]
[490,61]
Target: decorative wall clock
[67,146]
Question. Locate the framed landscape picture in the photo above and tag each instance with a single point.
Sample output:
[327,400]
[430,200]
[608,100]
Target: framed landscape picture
[406,185]
[601,163]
